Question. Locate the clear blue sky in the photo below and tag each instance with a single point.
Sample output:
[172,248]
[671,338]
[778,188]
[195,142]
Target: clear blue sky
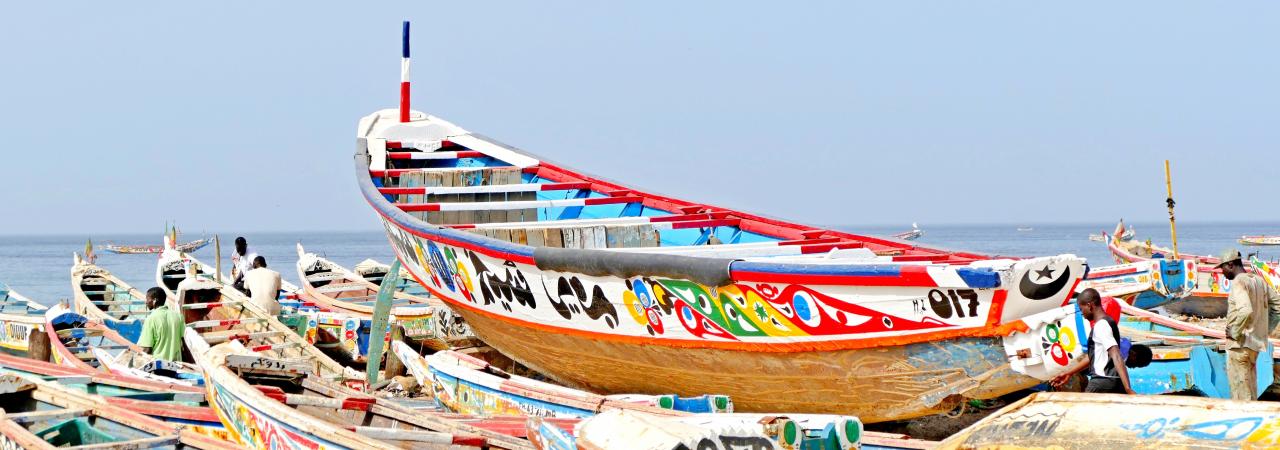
[241,116]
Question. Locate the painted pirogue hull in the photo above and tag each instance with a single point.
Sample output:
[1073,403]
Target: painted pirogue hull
[899,332]
[905,381]
[22,326]
[1207,299]
[1093,421]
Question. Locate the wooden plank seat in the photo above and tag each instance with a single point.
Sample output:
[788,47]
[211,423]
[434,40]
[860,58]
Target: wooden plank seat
[525,204]
[439,154]
[343,287]
[485,189]
[580,237]
[326,276]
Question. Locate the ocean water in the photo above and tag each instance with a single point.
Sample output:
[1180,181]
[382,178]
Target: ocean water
[39,266]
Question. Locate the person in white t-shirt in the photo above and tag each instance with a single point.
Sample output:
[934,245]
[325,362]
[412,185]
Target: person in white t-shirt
[264,286]
[241,263]
[1107,372]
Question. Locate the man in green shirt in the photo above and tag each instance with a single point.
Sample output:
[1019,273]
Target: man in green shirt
[162,332]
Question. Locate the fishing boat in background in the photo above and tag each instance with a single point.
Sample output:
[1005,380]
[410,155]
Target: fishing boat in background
[172,270]
[1071,420]
[44,415]
[353,294]
[184,407]
[152,249]
[617,290]
[244,389]
[1207,299]
[103,297]
[22,325]
[1260,240]
[1124,234]
[912,235]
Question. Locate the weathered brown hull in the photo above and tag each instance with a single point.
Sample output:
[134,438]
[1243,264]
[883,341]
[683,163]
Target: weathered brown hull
[876,385]
[1197,305]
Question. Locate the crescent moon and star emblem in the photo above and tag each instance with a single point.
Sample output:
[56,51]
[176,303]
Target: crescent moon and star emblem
[1039,289]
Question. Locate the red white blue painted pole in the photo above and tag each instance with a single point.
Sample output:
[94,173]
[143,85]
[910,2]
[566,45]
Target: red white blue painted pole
[404,76]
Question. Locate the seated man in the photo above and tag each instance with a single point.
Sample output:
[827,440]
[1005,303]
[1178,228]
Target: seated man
[264,286]
[162,332]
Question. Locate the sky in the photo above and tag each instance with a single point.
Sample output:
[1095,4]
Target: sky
[241,115]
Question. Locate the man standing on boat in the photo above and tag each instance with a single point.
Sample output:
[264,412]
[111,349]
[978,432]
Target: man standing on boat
[162,332]
[1107,371]
[264,286]
[1253,310]
[241,262]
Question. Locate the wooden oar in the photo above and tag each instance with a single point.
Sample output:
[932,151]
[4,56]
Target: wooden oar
[377,341]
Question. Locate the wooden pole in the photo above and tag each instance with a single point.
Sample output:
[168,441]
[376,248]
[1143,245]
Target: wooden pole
[381,313]
[1173,226]
[217,259]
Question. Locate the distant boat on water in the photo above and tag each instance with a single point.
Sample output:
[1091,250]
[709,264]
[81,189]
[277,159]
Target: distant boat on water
[1260,240]
[912,235]
[1025,229]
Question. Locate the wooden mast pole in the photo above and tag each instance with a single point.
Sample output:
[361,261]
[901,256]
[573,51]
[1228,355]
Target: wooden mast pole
[1173,225]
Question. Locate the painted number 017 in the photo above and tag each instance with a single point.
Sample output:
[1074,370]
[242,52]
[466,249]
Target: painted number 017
[945,304]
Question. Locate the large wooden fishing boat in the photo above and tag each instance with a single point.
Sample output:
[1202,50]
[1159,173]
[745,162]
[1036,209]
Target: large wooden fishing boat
[1090,421]
[246,391]
[103,297]
[22,325]
[354,293]
[43,415]
[615,289]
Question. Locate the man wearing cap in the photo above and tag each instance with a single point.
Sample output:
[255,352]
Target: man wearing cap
[1253,310]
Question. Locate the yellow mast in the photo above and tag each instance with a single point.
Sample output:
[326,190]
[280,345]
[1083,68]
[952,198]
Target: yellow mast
[1173,226]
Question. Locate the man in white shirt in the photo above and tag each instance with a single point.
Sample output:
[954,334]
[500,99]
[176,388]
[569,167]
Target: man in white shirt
[241,262]
[264,286]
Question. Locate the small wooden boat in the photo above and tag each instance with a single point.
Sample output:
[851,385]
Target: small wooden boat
[22,325]
[219,313]
[86,344]
[912,235]
[336,289]
[103,297]
[293,409]
[1208,299]
[1145,284]
[1260,240]
[43,415]
[184,407]
[640,431]
[602,286]
[468,385]
[1090,421]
